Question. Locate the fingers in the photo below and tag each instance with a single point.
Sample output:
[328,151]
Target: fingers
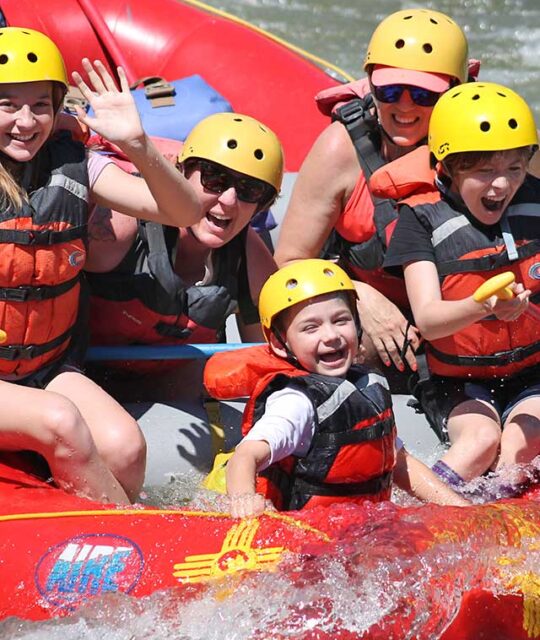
[100,79]
[245,505]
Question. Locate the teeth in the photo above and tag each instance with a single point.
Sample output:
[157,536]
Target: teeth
[402,120]
[18,136]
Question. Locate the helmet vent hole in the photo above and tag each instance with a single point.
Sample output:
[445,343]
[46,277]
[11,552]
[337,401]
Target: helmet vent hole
[458,93]
[400,44]
[232,144]
[433,21]
[503,95]
[237,119]
[407,18]
[476,97]
[258,153]
[32,57]
[3,58]
[328,272]
[427,47]
[485,126]
[512,123]
[291,284]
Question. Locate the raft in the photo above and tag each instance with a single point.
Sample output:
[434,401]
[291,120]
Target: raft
[256,72]
[70,551]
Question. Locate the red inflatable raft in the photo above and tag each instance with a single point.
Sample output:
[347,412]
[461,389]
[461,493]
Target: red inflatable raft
[258,75]
[71,550]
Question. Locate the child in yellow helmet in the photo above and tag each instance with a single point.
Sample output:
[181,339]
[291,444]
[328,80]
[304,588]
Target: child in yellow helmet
[47,183]
[413,57]
[318,427]
[481,388]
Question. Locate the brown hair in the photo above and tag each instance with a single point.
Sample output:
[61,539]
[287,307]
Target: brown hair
[457,162]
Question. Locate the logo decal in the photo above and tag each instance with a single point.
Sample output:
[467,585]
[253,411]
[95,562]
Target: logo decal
[88,565]
[77,258]
[236,554]
[534,271]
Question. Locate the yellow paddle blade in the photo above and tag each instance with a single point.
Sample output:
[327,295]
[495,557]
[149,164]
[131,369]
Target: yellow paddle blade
[496,286]
[215,480]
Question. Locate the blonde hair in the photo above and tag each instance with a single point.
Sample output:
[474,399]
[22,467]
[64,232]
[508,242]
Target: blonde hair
[11,192]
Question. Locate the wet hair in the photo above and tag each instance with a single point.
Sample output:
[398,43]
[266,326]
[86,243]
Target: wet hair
[457,162]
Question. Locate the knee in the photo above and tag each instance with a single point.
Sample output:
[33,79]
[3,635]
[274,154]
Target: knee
[63,432]
[124,448]
[484,441]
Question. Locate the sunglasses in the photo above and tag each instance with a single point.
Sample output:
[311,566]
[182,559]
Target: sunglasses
[392,93]
[217,179]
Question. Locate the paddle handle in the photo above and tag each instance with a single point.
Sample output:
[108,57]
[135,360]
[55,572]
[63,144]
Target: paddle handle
[498,285]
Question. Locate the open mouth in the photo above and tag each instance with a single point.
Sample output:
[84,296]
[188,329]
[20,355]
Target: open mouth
[493,205]
[221,223]
[332,357]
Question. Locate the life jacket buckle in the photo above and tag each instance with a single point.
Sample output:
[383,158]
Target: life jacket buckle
[351,111]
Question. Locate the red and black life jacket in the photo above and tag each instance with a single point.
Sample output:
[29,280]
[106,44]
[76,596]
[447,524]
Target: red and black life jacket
[352,454]
[467,254]
[144,301]
[42,253]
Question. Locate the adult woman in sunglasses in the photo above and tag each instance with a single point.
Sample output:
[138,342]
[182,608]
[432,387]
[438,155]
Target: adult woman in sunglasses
[412,58]
[153,284]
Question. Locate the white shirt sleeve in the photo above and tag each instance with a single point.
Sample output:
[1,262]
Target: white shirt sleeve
[288,425]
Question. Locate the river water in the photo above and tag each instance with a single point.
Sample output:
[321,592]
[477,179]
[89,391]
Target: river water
[504,34]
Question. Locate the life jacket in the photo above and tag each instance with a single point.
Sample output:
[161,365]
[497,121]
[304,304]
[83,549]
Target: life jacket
[352,454]
[42,253]
[144,301]
[362,232]
[466,255]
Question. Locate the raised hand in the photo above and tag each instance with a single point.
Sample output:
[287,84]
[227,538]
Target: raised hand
[115,113]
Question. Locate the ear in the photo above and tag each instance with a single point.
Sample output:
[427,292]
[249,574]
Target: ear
[276,345]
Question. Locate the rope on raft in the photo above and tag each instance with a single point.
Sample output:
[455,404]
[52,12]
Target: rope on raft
[161,352]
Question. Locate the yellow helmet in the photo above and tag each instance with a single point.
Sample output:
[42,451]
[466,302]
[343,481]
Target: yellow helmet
[421,40]
[238,142]
[480,116]
[297,282]
[30,56]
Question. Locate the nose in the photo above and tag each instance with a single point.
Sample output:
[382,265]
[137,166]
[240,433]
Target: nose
[229,197]
[330,332]
[405,99]
[500,182]
[25,116]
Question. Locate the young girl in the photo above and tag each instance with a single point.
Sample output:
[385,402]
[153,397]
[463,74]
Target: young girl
[482,391]
[92,445]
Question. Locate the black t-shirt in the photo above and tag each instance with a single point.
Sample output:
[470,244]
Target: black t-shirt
[410,242]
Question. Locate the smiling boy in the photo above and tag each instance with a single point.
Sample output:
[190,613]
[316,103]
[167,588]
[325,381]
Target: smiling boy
[318,427]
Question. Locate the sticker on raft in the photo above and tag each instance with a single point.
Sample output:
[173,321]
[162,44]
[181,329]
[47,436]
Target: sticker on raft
[88,565]
[236,554]
[534,271]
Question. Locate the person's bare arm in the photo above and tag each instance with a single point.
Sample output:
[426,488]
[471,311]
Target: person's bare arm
[437,318]
[323,186]
[164,195]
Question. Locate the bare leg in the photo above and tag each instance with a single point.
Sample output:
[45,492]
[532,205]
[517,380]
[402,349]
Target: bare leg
[475,432]
[51,424]
[520,441]
[117,436]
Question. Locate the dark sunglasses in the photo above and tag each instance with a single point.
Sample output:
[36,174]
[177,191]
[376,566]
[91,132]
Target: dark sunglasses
[392,93]
[217,179]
